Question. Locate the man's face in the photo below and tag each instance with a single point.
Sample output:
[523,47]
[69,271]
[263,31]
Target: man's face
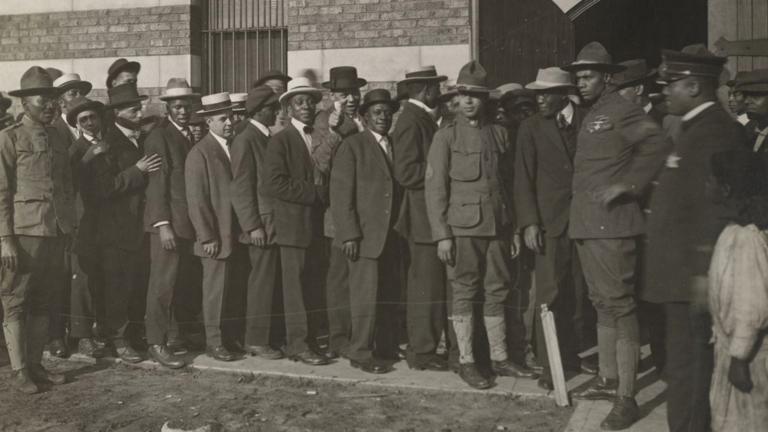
[551,102]
[40,108]
[349,100]
[198,131]
[124,77]
[277,85]
[379,118]
[522,111]
[179,111]
[501,117]
[221,124]
[133,113]
[432,94]
[632,94]
[302,108]
[90,122]
[268,114]
[677,96]
[737,102]
[471,105]
[756,104]
[591,84]
[68,96]
[237,117]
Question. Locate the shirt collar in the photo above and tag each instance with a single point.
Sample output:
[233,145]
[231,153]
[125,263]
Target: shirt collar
[298,125]
[696,111]
[376,135]
[567,112]
[180,128]
[90,137]
[221,140]
[421,105]
[259,126]
[648,108]
[127,132]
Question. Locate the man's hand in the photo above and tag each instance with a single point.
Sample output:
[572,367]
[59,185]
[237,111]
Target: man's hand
[606,195]
[534,238]
[258,237]
[148,164]
[351,249]
[9,255]
[211,248]
[515,246]
[334,119]
[92,152]
[445,251]
[738,375]
[167,237]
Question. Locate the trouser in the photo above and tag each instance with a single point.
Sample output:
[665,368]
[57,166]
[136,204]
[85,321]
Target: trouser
[517,305]
[126,274]
[609,269]
[262,285]
[302,294]
[426,299]
[688,368]
[217,274]
[60,304]
[173,275]
[87,296]
[374,289]
[337,300]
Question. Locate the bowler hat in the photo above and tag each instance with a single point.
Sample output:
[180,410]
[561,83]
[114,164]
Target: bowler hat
[121,65]
[551,78]
[5,103]
[260,97]
[124,95]
[178,88]
[378,96]
[215,103]
[636,72]
[35,81]
[270,75]
[594,56]
[472,78]
[72,80]
[80,104]
[238,101]
[693,60]
[422,74]
[755,81]
[301,85]
[344,78]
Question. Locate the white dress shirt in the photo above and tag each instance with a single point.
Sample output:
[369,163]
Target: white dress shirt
[567,113]
[648,108]
[384,143]
[223,143]
[690,115]
[261,127]
[307,138]
[130,134]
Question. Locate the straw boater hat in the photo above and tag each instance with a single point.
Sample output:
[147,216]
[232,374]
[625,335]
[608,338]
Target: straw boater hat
[215,103]
[238,101]
[121,65]
[270,75]
[636,73]
[178,88]
[260,97]
[35,81]
[80,104]
[72,80]
[472,79]
[594,56]
[551,78]
[124,95]
[422,74]
[378,96]
[693,60]
[301,85]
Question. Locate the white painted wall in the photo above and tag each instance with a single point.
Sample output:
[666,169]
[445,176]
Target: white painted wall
[17,7]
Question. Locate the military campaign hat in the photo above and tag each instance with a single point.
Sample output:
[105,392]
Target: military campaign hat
[636,72]
[378,96]
[80,104]
[472,78]
[693,60]
[594,56]
[343,78]
[35,81]
[121,65]
[260,97]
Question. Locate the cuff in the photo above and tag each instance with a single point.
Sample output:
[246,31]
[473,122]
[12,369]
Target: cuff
[161,223]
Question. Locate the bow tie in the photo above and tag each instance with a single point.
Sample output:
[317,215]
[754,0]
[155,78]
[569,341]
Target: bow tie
[308,130]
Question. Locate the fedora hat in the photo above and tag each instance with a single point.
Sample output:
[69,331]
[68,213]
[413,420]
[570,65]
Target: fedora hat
[343,78]
[472,78]
[422,74]
[755,81]
[215,103]
[121,65]
[378,96]
[124,95]
[301,85]
[270,75]
[35,81]
[178,88]
[72,80]
[551,78]
[260,97]
[636,72]
[594,56]
[238,101]
[80,104]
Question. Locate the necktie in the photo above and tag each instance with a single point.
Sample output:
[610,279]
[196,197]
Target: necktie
[562,123]
[387,147]
[187,134]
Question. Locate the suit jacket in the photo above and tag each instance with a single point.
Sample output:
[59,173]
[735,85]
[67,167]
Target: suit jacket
[86,210]
[684,223]
[290,179]
[115,187]
[544,174]
[166,190]
[252,207]
[364,196]
[617,143]
[411,139]
[208,178]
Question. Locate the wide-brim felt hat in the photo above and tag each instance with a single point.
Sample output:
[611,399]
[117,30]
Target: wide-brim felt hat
[214,104]
[70,81]
[422,74]
[594,56]
[754,81]
[178,88]
[505,89]
[121,65]
[76,106]
[378,96]
[552,78]
[260,97]
[271,74]
[35,81]
[472,79]
[124,95]
[636,72]
[301,85]
[343,78]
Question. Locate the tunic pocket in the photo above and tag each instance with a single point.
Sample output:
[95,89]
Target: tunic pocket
[28,210]
[464,213]
[465,165]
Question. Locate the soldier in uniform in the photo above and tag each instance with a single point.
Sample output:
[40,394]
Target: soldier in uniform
[468,191]
[619,151]
[37,216]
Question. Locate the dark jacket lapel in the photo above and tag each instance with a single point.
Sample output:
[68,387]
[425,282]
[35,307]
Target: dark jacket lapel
[297,140]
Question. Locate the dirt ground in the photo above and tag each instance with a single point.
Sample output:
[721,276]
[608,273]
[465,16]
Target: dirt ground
[115,397]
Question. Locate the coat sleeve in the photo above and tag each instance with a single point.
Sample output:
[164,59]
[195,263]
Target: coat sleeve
[7,183]
[108,185]
[198,188]
[158,192]
[409,163]
[649,149]
[526,206]
[437,186]
[245,200]
[280,185]
[344,195]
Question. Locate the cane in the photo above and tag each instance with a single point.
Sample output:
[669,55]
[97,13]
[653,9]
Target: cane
[553,353]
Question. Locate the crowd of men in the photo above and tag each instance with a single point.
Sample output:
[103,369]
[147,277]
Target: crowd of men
[269,223]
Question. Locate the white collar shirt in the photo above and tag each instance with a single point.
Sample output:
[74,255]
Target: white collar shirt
[567,113]
[690,115]
[223,143]
[648,108]
[263,129]
[306,137]
[130,134]
[384,143]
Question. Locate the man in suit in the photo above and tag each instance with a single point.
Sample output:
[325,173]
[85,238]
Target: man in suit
[174,276]
[754,87]
[122,71]
[364,203]
[277,81]
[619,151]
[426,282]
[255,218]
[546,144]
[208,177]
[736,100]
[683,227]
[37,215]
[300,198]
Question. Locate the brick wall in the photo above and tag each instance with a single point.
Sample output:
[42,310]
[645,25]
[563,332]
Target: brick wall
[132,32]
[329,24]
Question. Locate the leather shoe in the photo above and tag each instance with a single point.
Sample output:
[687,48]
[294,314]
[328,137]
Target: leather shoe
[23,383]
[58,348]
[370,366]
[166,357]
[472,376]
[128,354]
[310,358]
[546,383]
[39,375]
[264,351]
[599,388]
[510,369]
[177,346]
[235,346]
[220,353]
[623,414]
[433,363]
[87,347]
